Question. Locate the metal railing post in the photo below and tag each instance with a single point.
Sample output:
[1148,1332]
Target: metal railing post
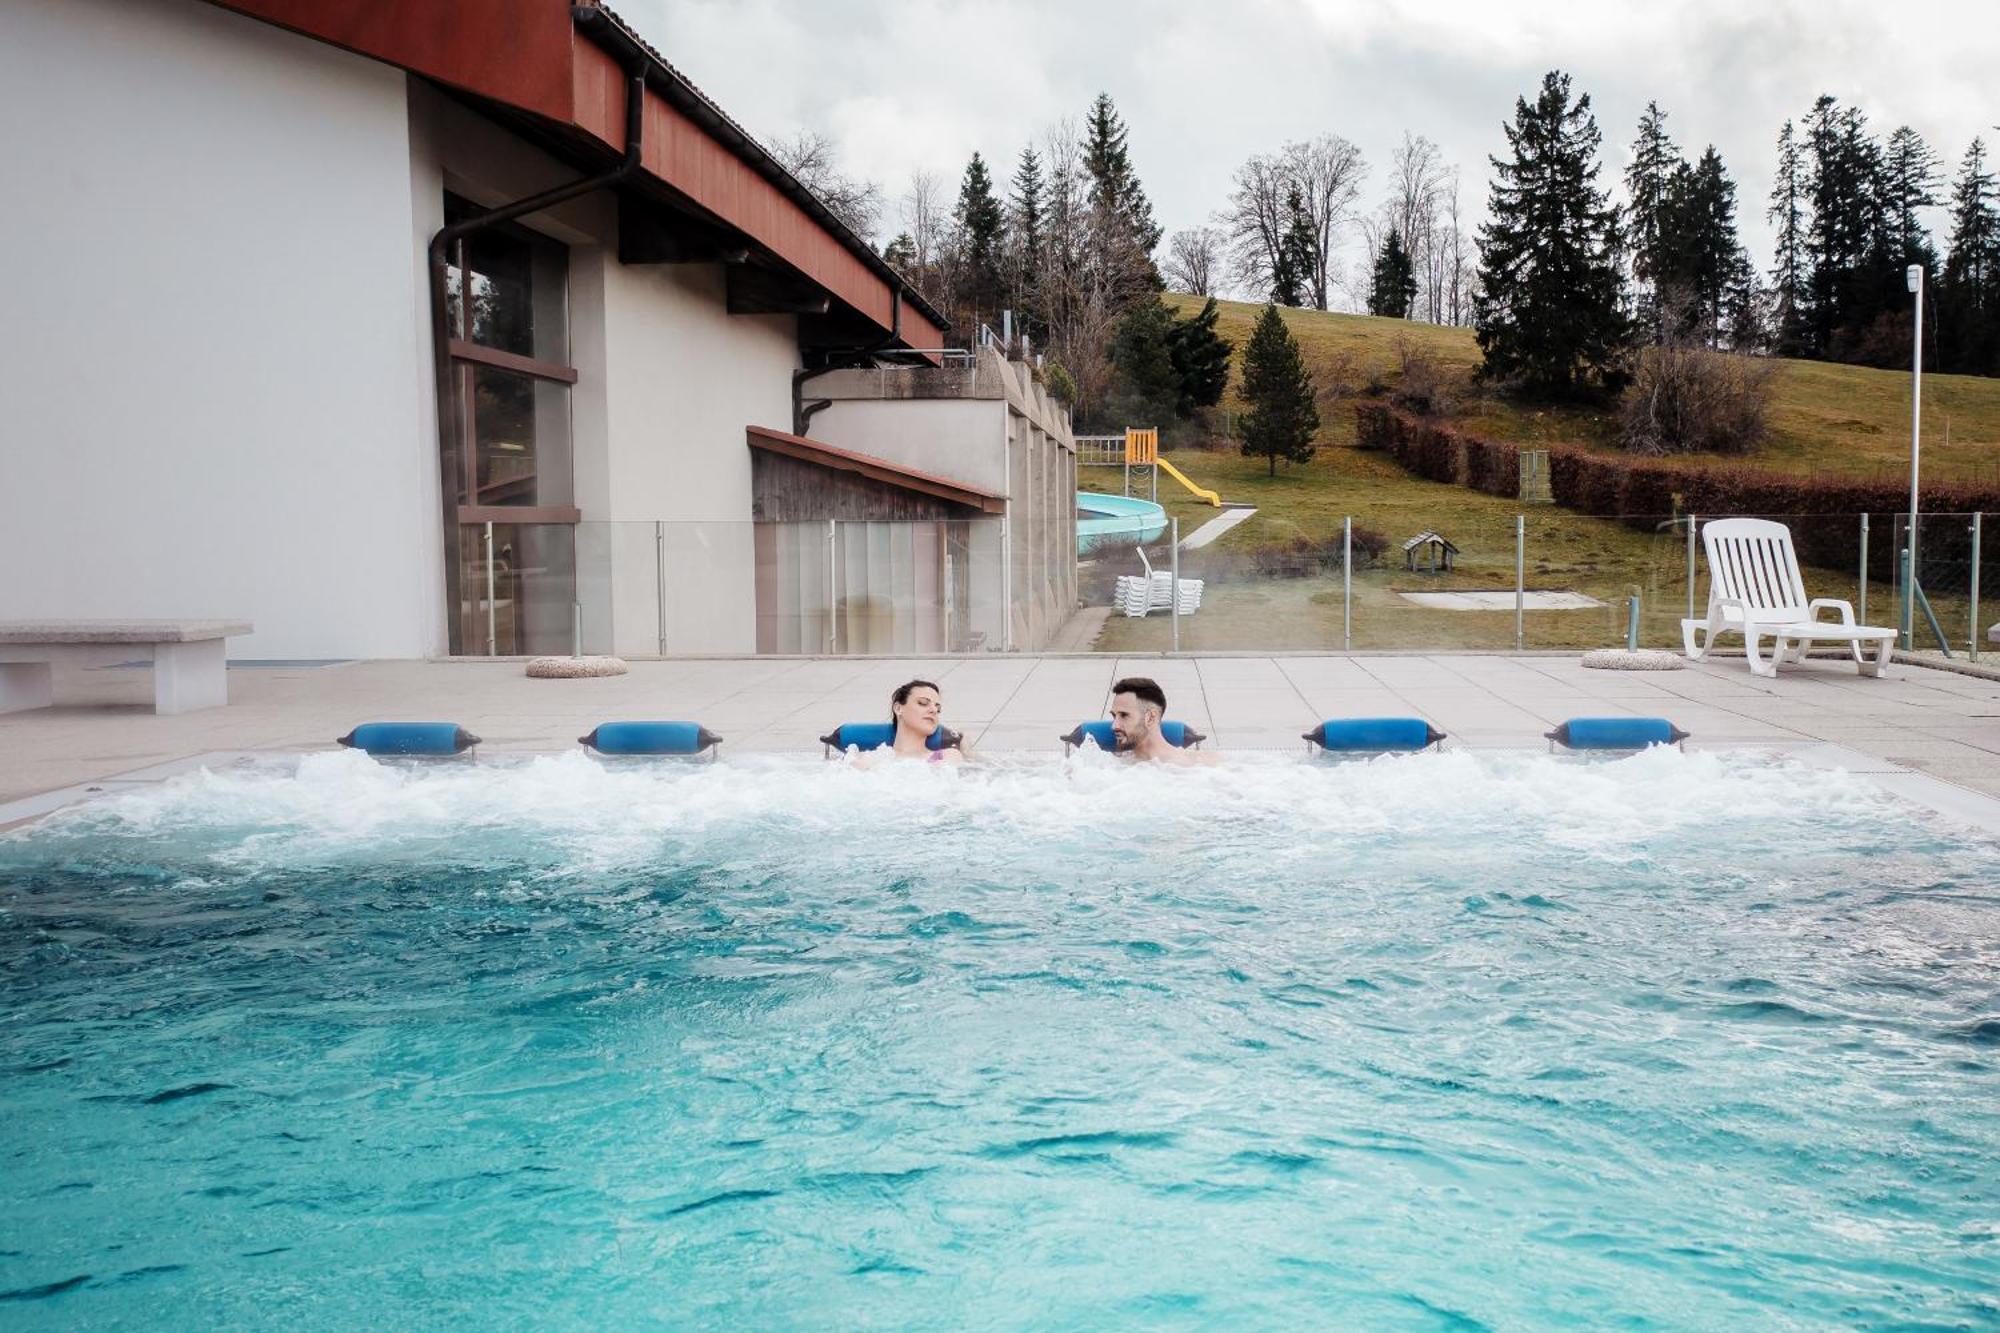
[1909,601]
[1632,623]
[832,587]
[1520,582]
[492,611]
[1347,584]
[660,587]
[1863,599]
[1174,526]
[1691,526]
[1973,650]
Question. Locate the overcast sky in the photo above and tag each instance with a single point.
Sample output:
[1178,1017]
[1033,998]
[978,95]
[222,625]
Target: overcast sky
[905,84]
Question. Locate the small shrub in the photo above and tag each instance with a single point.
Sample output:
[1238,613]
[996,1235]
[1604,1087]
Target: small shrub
[1423,385]
[1310,557]
[1688,400]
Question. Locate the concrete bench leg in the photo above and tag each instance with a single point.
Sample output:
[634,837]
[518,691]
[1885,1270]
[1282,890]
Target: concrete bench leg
[25,685]
[187,676]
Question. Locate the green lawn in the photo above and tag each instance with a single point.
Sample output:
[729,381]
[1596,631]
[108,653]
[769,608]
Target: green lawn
[1565,552]
[1824,418]
[1844,419]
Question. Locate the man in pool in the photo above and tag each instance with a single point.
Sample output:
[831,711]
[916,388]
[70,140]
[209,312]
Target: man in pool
[1137,705]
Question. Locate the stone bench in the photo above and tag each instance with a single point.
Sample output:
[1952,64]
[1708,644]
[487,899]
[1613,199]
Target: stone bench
[188,657]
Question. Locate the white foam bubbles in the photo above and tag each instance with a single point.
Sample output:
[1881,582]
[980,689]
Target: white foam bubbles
[578,812]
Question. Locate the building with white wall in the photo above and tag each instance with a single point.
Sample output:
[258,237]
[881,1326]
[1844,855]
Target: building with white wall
[237,385]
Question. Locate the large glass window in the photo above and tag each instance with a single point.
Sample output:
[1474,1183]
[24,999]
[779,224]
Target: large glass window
[507,457]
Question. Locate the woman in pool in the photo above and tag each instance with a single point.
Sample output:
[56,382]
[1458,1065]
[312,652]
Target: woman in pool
[914,708]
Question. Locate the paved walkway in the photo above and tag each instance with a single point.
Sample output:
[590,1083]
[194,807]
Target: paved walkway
[1933,722]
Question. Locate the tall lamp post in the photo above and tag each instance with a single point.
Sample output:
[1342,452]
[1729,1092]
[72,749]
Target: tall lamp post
[1913,277]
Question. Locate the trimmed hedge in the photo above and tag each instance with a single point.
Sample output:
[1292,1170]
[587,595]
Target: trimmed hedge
[1821,510]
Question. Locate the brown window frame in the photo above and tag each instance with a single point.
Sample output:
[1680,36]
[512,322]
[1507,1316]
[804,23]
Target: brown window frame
[465,354]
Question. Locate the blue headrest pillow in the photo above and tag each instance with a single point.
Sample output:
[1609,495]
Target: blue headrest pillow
[875,735]
[650,738]
[1176,733]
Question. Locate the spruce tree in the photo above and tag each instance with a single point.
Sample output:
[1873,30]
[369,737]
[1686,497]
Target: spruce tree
[1201,359]
[1968,295]
[1910,176]
[1547,313]
[1293,269]
[1145,386]
[1655,160]
[1024,243]
[901,253]
[1283,418]
[979,240]
[1394,283]
[1788,272]
[1115,190]
[1701,271]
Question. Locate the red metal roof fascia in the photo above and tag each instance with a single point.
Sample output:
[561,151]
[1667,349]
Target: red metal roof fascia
[506,50]
[875,469]
[690,158]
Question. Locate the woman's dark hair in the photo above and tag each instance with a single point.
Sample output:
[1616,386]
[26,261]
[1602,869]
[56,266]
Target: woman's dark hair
[902,694]
[1143,689]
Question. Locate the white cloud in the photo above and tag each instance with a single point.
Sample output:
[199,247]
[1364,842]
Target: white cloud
[921,84]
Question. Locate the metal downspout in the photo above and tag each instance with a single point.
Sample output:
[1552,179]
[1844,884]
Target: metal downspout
[439,250]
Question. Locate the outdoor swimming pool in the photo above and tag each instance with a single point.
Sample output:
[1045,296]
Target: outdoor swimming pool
[1453,1040]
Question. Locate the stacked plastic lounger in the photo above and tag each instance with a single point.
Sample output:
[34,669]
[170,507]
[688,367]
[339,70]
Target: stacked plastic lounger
[1138,594]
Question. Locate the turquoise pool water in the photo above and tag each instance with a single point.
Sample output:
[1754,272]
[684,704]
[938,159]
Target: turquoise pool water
[1450,1041]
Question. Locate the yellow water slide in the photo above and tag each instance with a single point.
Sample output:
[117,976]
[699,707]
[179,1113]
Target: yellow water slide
[1142,448]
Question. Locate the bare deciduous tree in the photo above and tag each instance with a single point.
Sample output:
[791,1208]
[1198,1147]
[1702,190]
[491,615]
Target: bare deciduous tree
[927,219]
[1194,260]
[1327,173]
[813,159]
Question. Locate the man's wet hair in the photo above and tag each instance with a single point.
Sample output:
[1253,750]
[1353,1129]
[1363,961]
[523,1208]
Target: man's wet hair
[1143,688]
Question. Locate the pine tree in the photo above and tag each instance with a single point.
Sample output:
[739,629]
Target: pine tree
[1115,189]
[1201,359]
[1283,418]
[1969,293]
[980,236]
[1547,313]
[1788,273]
[901,253]
[1394,283]
[1655,160]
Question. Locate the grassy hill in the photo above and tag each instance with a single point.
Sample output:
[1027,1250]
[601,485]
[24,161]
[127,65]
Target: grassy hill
[1825,418]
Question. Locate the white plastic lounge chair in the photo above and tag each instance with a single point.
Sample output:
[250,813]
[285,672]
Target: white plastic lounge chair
[1754,589]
